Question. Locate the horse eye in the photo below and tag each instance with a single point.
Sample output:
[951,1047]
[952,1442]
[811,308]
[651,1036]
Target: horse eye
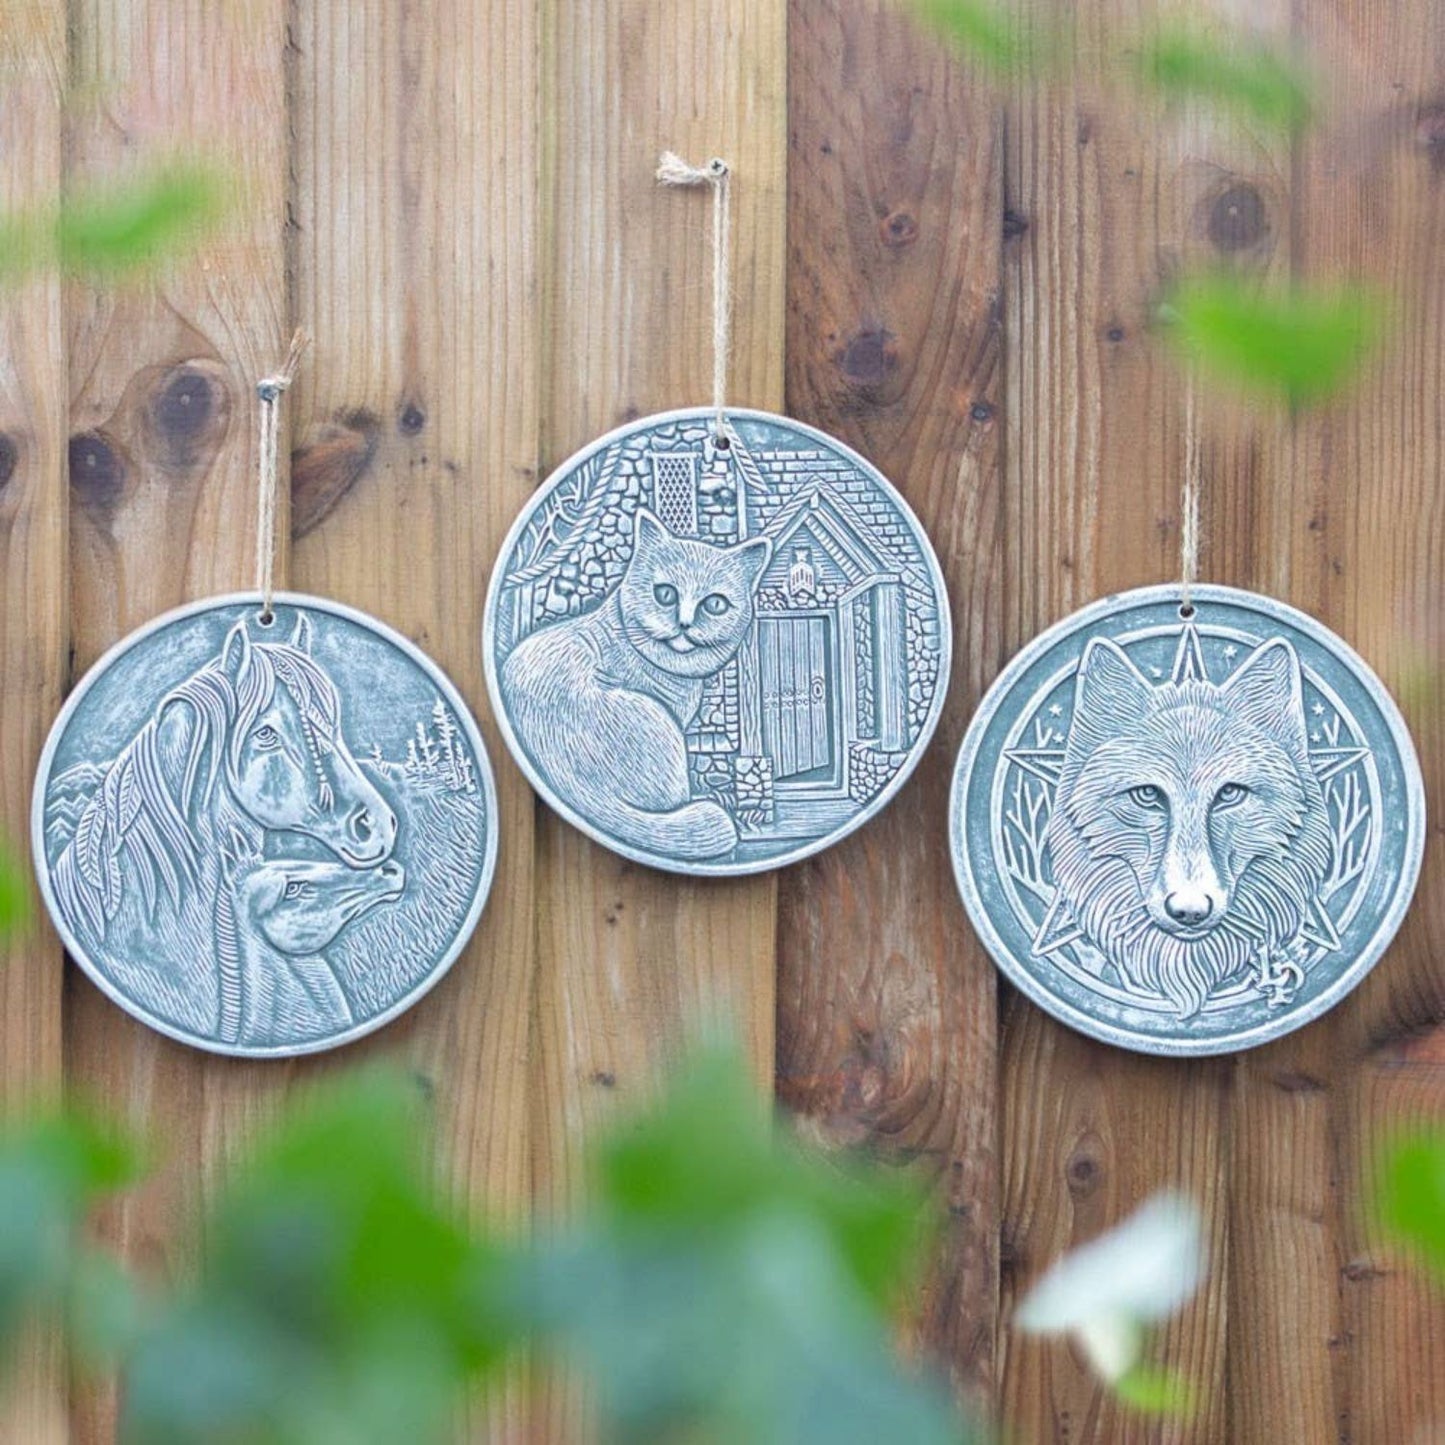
[297,889]
[715,603]
[1231,795]
[266,736]
[1147,796]
[665,593]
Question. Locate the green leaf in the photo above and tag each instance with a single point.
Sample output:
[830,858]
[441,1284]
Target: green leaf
[1237,75]
[1303,344]
[1153,1391]
[340,1298]
[731,1287]
[710,1159]
[139,224]
[1412,1195]
[118,229]
[14,895]
[1005,40]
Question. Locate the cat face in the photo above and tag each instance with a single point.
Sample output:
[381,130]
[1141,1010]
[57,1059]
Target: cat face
[686,606]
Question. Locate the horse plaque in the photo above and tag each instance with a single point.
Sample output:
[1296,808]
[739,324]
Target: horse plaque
[264,838]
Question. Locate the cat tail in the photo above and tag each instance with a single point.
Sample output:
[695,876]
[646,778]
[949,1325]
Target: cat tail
[696,830]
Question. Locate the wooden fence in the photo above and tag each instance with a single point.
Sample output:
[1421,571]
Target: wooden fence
[455,198]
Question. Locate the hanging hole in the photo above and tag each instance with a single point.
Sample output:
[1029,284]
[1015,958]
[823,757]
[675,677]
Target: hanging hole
[1186,610]
[266,617]
[722,443]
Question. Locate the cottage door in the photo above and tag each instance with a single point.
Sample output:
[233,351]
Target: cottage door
[797,697]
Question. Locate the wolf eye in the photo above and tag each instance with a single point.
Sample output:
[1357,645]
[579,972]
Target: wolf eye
[1231,795]
[665,593]
[266,737]
[1147,796]
[296,888]
[715,603]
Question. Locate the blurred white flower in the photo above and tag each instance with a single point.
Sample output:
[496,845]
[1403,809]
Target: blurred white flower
[1106,1291]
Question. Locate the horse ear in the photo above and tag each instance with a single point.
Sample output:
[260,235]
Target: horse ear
[301,637]
[236,651]
[233,850]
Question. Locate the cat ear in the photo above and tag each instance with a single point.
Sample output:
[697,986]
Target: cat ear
[236,652]
[1266,690]
[755,554]
[301,637]
[648,531]
[1109,689]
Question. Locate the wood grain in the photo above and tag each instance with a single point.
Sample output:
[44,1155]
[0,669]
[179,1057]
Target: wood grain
[163,494]
[633,964]
[33,606]
[416,270]
[886,1004]
[1352,1350]
[1113,198]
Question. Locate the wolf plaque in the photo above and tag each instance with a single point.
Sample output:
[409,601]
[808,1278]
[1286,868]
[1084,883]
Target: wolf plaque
[264,838]
[1187,831]
[716,652]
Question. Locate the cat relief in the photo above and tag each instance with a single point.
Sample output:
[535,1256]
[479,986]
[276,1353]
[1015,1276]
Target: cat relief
[602,701]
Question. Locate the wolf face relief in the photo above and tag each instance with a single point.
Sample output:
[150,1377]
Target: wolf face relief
[602,701]
[1189,836]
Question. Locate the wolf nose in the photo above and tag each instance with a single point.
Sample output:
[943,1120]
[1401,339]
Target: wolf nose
[1191,912]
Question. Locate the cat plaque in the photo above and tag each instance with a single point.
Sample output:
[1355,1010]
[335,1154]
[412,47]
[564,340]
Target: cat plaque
[264,839]
[1187,831]
[717,654]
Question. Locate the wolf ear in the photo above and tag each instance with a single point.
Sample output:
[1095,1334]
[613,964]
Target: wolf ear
[1109,689]
[1267,692]
[236,651]
[755,553]
[301,637]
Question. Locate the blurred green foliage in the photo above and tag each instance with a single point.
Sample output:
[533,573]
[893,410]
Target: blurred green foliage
[1153,1391]
[52,1169]
[726,1287]
[1302,345]
[1230,72]
[109,232]
[339,1299]
[730,1288]
[14,895]
[1009,40]
[1411,1202]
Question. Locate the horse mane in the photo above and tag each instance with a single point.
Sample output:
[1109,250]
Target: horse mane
[143,812]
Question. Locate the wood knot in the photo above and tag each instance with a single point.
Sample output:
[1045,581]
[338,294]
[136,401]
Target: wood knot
[411,420]
[186,412]
[898,229]
[869,357]
[9,458]
[1115,333]
[332,459]
[1238,218]
[1083,1173]
[981,411]
[97,473]
[1014,224]
[1430,133]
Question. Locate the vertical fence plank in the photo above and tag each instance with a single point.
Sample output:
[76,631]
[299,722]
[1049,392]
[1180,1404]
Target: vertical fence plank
[1111,197]
[630,962]
[417,156]
[163,492]
[1344,1338]
[33,611]
[886,1008]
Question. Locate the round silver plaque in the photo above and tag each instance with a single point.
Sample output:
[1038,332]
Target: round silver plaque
[264,838]
[717,654]
[1187,831]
